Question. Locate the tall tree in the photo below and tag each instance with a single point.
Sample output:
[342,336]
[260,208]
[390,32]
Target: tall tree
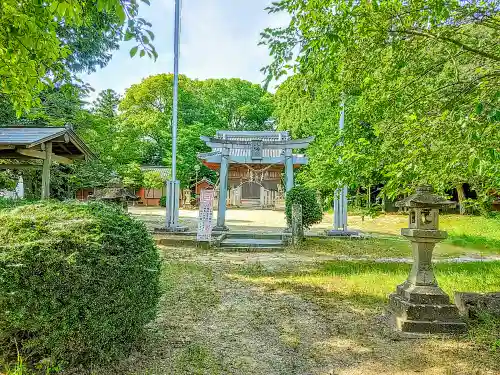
[106,104]
[237,104]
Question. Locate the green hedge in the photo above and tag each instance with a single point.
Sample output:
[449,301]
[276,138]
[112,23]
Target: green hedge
[78,282]
[311,210]
[163,201]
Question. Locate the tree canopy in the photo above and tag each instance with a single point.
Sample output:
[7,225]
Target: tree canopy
[420,81]
[42,43]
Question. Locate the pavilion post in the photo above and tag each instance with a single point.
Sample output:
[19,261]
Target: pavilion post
[223,182]
[289,169]
[46,171]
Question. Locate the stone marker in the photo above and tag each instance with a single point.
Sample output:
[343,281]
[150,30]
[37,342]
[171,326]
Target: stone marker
[186,198]
[419,305]
[297,228]
[471,305]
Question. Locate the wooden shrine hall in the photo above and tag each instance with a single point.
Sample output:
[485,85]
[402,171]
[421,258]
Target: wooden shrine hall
[250,165]
[39,147]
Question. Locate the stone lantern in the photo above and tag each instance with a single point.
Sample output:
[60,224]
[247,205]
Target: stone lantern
[115,193]
[419,305]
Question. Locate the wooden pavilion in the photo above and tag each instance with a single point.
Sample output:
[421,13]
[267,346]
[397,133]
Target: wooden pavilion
[44,144]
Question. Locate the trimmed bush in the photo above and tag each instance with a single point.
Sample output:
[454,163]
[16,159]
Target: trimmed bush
[311,210]
[163,201]
[78,282]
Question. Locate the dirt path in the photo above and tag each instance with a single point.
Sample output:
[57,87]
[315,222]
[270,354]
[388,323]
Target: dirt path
[214,320]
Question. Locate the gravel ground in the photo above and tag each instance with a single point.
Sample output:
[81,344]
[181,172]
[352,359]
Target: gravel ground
[213,320]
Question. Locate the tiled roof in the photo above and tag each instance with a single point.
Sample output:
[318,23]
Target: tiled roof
[163,171]
[264,136]
[27,136]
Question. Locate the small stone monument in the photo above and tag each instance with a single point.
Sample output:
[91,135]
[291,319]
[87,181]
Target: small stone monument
[419,305]
[297,227]
[187,198]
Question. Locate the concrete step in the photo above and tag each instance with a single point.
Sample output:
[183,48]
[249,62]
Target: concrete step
[252,249]
[252,244]
[253,235]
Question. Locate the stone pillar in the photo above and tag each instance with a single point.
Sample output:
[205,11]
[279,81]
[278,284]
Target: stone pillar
[47,162]
[419,305]
[262,196]
[238,196]
[223,181]
[289,169]
[297,228]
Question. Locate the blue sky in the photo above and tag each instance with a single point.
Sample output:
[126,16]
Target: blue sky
[219,39]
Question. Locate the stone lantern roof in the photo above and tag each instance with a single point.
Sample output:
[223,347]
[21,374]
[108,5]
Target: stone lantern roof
[424,198]
[115,192]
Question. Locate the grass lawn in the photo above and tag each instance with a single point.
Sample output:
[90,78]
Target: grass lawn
[297,313]
[467,235]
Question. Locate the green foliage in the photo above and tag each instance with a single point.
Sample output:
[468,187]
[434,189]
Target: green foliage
[42,42]
[485,331]
[90,174]
[132,175]
[420,83]
[153,180]
[6,203]
[163,201]
[7,181]
[106,104]
[78,282]
[143,130]
[311,209]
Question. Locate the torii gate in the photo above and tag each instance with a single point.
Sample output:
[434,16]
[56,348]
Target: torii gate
[222,155]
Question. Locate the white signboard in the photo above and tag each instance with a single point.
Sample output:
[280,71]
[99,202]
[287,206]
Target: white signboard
[205,215]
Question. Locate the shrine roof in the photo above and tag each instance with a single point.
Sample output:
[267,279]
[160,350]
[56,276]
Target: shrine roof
[264,136]
[162,170]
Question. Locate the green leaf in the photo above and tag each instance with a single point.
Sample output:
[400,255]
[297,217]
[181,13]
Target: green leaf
[133,51]
[143,52]
[121,13]
[128,36]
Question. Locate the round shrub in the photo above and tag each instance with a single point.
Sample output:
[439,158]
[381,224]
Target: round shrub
[78,282]
[311,210]
[163,201]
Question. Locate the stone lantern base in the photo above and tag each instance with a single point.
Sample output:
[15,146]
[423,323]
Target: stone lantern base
[424,310]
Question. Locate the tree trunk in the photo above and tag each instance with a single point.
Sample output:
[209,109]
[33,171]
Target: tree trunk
[461,198]
[369,200]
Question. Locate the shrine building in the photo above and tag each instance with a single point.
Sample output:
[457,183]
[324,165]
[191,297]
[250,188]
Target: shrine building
[251,165]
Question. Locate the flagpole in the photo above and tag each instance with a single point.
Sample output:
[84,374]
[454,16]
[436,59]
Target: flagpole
[173,186]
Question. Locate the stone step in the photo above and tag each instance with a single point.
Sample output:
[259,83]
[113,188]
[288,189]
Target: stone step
[419,312]
[243,249]
[254,235]
[252,243]
[436,327]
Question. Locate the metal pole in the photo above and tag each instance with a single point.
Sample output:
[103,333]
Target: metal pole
[176,87]
[340,197]
[173,188]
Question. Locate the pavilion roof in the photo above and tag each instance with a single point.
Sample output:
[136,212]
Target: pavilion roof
[30,137]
